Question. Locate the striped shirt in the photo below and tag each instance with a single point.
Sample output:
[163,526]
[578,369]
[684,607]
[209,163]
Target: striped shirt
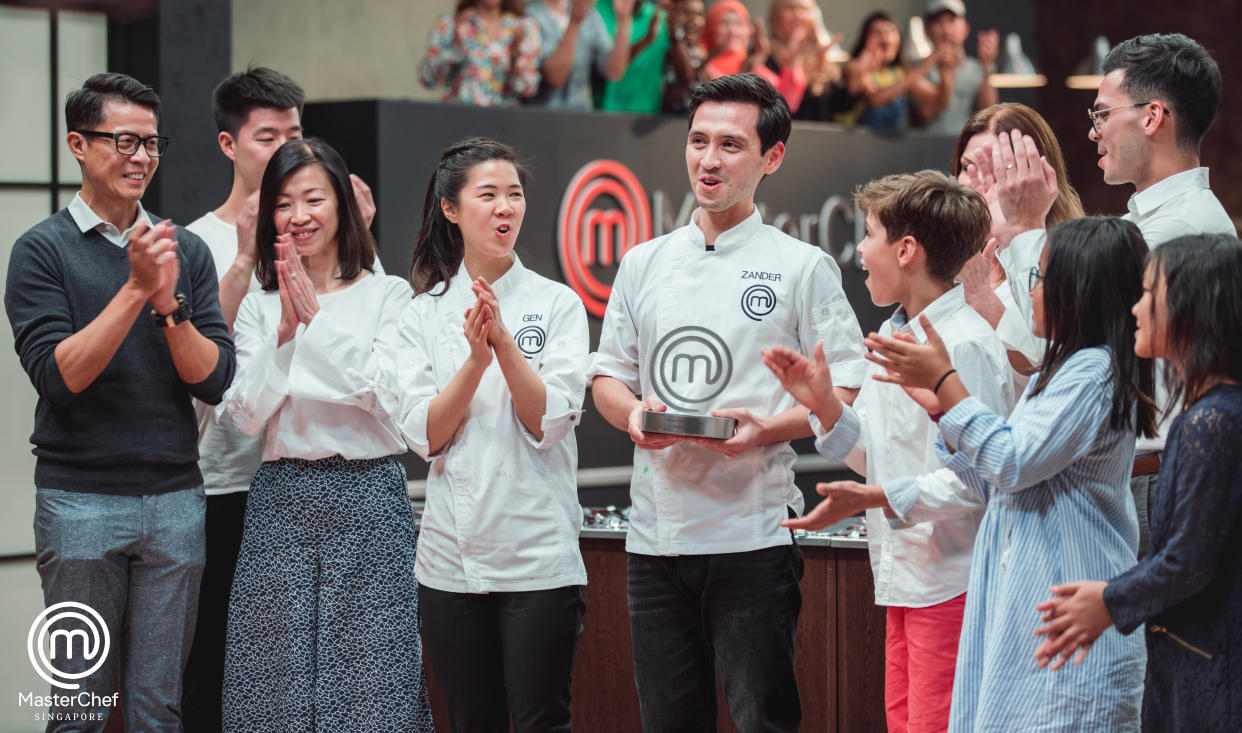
[1056,481]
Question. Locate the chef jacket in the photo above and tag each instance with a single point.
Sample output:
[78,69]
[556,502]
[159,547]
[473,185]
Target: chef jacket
[686,323]
[502,510]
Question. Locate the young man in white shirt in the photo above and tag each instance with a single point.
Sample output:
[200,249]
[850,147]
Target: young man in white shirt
[256,111]
[712,576]
[1156,102]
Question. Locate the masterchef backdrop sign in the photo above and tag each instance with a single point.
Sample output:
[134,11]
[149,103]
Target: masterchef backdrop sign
[588,236]
[600,184]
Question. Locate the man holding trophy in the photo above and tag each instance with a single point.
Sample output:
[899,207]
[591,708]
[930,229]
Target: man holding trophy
[712,576]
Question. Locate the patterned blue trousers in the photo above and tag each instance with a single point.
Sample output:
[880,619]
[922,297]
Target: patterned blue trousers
[323,615]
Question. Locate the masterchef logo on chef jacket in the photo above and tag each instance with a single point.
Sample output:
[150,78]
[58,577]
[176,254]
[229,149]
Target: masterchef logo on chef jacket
[531,338]
[690,367]
[604,214]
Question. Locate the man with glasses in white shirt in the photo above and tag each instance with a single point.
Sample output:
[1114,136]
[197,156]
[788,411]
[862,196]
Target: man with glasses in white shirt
[1157,100]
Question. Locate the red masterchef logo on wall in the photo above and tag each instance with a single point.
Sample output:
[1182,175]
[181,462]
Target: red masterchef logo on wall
[591,239]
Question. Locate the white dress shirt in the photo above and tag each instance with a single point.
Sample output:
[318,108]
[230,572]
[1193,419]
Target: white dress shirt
[328,391]
[1179,205]
[686,324]
[890,439]
[502,508]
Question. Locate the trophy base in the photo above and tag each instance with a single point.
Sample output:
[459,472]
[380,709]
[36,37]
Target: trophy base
[698,426]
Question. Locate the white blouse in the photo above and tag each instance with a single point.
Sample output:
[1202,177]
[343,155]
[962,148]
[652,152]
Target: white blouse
[328,391]
[502,509]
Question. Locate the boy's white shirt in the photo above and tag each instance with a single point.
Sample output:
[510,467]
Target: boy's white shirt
[887,437]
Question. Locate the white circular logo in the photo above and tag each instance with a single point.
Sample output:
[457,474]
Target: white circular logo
[690,366]
[79,635]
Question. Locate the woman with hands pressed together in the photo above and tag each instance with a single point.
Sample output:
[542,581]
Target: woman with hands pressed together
[323,615]
[1187,589]
[1054,477]
[492,373]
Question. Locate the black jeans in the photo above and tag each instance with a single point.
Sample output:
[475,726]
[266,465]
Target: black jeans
[690,613]
[502,654]
[203,681]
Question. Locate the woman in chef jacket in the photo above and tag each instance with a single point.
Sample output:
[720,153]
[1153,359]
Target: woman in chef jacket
[323,614]
[492,370]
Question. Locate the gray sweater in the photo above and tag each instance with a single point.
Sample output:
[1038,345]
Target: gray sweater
[133,430]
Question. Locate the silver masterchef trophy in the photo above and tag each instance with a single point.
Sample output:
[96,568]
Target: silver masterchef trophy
[690,367]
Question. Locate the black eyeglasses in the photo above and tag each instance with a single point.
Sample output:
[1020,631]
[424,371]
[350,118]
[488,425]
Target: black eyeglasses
[1033,277]
[127,143]
[1098,116]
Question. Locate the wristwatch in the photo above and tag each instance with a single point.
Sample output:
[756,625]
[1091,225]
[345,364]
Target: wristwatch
[168,320]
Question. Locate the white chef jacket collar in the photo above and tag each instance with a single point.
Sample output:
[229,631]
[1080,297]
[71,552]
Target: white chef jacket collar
[504,284]
[1151,198]
[936,311]
[738,235]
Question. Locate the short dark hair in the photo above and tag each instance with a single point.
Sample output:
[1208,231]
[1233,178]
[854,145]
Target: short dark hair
[439,247]
[1176,69]
[355,245]
[1201,275]
[257,86]
[1092,279]
[949,220]
[775,120]
[84,105]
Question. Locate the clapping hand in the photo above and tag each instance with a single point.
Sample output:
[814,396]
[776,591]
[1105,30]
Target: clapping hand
[1026,184]
[496,333]
[810,382]
[478,325]
[154,265]
[842,499]
[298,300]
[917,368]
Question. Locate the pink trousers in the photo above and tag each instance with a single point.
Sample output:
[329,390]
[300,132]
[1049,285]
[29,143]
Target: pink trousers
[920,651]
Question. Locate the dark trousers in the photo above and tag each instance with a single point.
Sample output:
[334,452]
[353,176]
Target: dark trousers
[502,654]
[692,614]
[203,683]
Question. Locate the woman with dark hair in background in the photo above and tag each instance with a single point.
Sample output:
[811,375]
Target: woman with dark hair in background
[1188,589]
[486,52]
[323,615]
[877,78]
[988,290]
[491,398]
[1054,477]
